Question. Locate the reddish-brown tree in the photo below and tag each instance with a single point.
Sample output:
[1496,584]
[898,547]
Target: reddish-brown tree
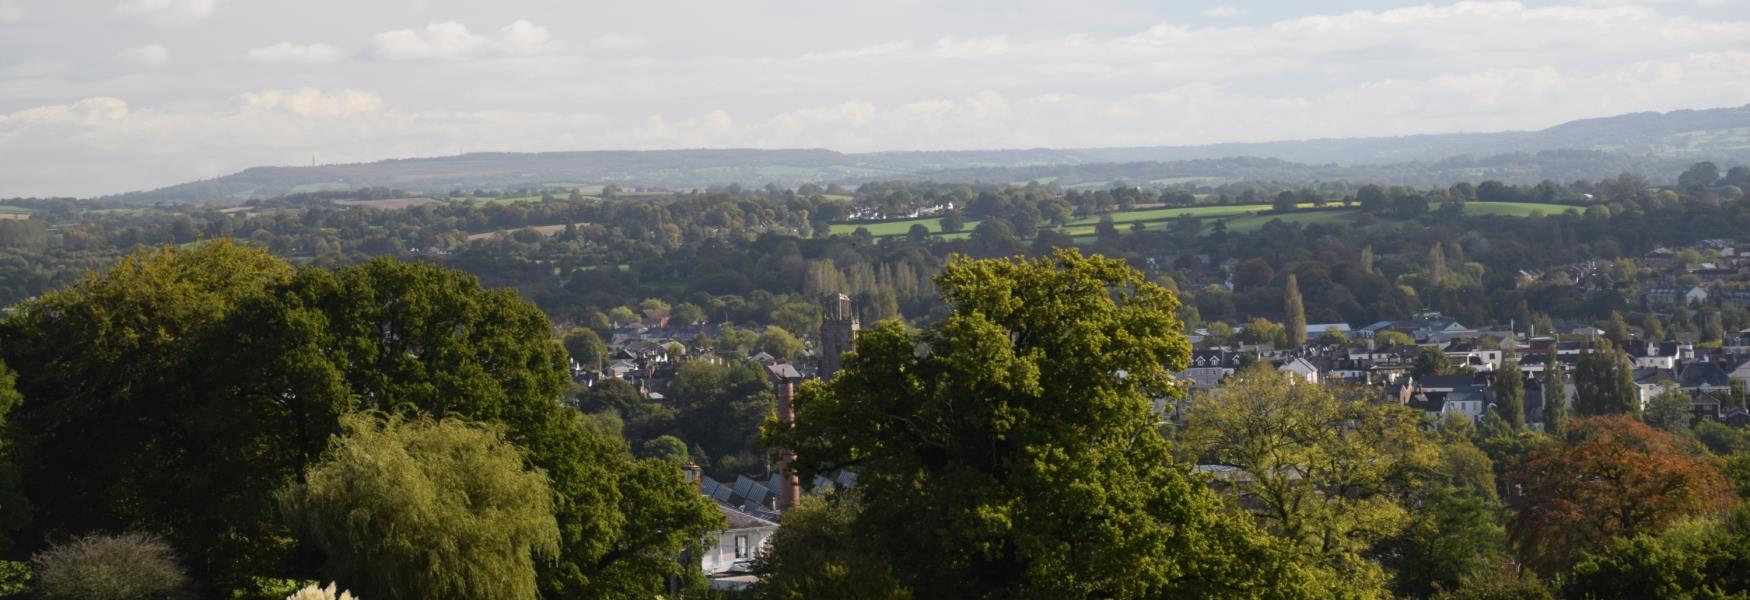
[1605,478]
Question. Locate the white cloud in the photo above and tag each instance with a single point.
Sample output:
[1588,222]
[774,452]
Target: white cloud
[167,12]
[451,40]
[445,40]
[287,52]
[619,41]
[90,111]
[148,55]
[312,102]
[950,47]
[864,52]
[10,11]
[1224,11]
[522,38]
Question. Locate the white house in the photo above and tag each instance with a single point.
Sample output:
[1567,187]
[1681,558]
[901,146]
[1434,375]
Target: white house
[1301,368]
[727,561]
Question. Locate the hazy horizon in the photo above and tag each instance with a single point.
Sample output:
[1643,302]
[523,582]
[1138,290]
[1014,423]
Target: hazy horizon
[107,96]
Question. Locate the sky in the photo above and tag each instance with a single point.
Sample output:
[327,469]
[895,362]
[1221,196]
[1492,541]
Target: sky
[108,96]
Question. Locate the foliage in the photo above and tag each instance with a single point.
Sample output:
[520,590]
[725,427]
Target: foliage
[1510,394]
[1669,410]
[1430,361]
[1264,331]
[1695,558]
[1524,586]
[1393,338]
[481,355]
[1607,477]
[217,372]
[130,566]
[426,509]
[135,380]
[14,509]
[817,554]
[1325,469]
[586,347]
[1604,382]
[1007,459]
[1296,311]
[1453,536]
[666,448]
[778,342]
[719,407]
[1720,438]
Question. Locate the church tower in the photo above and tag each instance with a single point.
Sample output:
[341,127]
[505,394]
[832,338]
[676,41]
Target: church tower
[837,331]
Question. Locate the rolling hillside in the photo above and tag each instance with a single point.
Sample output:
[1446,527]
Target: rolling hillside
[1655,144]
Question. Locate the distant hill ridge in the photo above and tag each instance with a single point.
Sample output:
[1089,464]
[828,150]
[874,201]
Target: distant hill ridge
[1651,143]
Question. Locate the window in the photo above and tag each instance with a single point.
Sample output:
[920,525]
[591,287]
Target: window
[741,546]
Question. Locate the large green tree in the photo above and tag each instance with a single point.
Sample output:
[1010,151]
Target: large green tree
[113,433]
[14,509]
[1011,450]
[1296,311]
[1604,382]
[1510,394]
[587,348]
[426,509]
[1326,469]
[1697,558]
[1430,361]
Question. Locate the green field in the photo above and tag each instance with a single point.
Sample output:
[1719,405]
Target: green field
[1514,209]
[1238,217]
[15,209]
[889,228]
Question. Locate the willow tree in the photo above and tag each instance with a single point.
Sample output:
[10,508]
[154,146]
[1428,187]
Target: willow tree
[427,509]
[1012,450]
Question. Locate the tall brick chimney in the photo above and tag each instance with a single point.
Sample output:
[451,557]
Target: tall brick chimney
[784,378]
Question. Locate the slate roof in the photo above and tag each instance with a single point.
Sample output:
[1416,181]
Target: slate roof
[741,520]
[1700,374]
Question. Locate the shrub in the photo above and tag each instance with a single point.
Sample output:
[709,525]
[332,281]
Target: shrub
[130,566]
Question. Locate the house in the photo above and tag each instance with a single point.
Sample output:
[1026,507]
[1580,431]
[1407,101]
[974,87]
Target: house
[1473,355]
[1659,355]
[1302,368]
[1707,405]
[1470,403]
[1703,376]
[1740,373]
[1651,382]
[1431,328]
[1673,296]
[727,558]
[1207,368]
[1448,383]
[1440,396]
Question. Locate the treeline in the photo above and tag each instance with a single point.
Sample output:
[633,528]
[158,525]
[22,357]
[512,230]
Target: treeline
[743,253]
